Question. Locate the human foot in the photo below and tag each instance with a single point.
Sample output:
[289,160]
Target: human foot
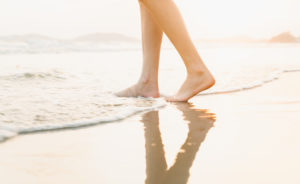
[194,84]
[143,89]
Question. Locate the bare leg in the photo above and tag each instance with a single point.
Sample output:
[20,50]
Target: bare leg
[167,15]
[147,86]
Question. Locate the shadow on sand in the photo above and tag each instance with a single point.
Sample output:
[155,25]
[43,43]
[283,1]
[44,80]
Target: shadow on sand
[157,171]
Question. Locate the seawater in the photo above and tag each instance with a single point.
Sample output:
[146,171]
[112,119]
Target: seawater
[47,91]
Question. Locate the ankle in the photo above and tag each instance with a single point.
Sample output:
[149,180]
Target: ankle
[196,71]
[202,72]
[148,88]
[145,81]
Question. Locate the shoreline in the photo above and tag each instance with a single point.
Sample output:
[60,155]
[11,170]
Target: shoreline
[10,133]
[255,132]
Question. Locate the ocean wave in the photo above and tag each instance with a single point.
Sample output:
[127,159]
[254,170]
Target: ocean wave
[36,44]
[51,75]
[42,94]
[9,130]
[6,134]
[272,77]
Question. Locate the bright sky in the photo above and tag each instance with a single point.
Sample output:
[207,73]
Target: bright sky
[204,18]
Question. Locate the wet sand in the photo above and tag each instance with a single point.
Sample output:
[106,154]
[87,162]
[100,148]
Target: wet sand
[255,139]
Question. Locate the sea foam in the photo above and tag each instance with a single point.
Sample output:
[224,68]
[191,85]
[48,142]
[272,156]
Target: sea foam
[11,130]
[46,92]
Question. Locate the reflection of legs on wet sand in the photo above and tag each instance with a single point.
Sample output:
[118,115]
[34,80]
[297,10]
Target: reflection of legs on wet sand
[199,122]
[156,164]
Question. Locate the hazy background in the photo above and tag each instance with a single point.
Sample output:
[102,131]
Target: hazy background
[205,19]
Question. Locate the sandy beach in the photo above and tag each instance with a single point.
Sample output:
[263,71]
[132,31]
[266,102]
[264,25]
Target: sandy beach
[254,140]
[79,82]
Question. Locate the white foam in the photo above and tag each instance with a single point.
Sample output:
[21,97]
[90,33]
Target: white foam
[8,131]
[47,100]
[6,134]
[272,77]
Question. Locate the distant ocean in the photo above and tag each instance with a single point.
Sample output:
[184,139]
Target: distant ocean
[49,84]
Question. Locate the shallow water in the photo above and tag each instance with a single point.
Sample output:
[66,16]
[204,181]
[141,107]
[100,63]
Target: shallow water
[49,91]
